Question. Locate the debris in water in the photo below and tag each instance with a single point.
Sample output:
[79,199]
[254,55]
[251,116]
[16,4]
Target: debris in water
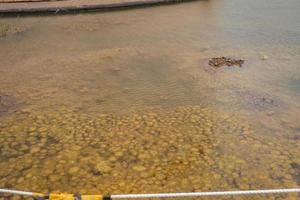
[264,57]
[223,61]
[9,29]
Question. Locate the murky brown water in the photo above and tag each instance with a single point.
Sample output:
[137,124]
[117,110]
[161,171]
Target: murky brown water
[125,102]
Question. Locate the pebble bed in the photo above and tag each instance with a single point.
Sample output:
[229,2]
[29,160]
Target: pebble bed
[183,149]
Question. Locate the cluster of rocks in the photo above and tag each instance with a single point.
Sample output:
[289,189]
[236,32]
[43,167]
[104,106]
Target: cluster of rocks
[184,149]
[225,61]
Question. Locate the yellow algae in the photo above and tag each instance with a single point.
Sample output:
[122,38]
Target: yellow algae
[181,149]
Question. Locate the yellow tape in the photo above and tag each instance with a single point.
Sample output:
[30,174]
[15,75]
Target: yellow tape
[91,197]
[61,197]
[37,194]
[71,197]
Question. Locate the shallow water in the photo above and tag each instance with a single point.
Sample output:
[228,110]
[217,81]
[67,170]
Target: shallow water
[125,102]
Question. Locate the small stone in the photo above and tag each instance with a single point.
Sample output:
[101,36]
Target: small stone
[217,176]
[144,175]
[139,168]
[47,172]
[73,170]
[24,147]
[20,180]
[54,178]
[26,110]
[102,167]
[31,129]
[35,150]
[29,175]
[43,129]
[15,197]
[112,159]
[122,184]
[264,57]
[160,177]
[244,186]
[119,153]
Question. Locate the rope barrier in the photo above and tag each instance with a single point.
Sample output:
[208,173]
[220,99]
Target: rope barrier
[198,194]
[16,192]
[160,195]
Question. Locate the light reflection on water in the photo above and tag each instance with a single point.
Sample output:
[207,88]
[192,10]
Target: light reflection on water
[125,101]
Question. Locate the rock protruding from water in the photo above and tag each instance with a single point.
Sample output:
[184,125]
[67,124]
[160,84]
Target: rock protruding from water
[225,61]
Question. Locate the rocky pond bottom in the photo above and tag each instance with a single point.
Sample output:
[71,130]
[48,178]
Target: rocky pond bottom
[183,149]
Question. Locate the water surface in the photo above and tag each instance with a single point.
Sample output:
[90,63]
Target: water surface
[125,102]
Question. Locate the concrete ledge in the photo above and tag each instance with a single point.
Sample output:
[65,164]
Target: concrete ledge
[67,6]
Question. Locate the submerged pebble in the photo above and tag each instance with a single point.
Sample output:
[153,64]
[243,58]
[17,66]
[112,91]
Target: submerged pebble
[153,151]
[264,57]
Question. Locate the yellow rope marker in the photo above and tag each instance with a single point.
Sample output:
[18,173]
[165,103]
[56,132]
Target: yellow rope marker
[37,194]
[91,197]
[61,197]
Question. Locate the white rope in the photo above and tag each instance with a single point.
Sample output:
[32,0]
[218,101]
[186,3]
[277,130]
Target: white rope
[198,194]
[16,192]
[184,194]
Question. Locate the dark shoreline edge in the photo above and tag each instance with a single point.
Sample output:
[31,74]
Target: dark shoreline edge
[87,8]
